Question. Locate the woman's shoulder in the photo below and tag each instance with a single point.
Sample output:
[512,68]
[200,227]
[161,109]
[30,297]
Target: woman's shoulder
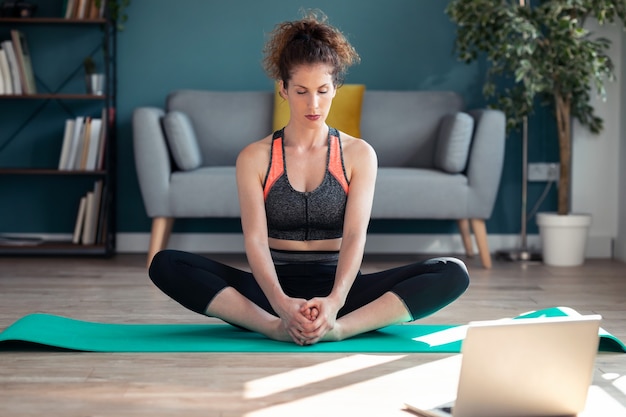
[256,147]
[256,152]
[356,148]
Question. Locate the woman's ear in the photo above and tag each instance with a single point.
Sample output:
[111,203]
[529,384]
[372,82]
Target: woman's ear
[282,89]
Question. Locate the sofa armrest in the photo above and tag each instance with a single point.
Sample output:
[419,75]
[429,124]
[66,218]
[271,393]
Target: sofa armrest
[484,167]
[152,160]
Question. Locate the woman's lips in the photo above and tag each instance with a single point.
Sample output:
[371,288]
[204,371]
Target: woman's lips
[313,117]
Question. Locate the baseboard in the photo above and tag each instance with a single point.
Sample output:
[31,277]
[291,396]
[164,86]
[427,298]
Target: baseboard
[597,247]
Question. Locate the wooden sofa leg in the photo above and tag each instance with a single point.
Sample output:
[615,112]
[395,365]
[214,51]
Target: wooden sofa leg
[466,236]
[161,229]
[480,233]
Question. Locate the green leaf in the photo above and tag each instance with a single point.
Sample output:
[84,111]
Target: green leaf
[544,50]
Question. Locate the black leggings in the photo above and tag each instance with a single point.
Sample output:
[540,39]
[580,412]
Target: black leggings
[424,287]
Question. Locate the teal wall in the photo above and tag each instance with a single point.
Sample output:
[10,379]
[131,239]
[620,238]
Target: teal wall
[404,44]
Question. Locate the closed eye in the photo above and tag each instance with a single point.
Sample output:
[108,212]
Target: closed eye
[319,92]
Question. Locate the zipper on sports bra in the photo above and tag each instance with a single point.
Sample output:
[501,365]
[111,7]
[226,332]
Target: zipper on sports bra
[306,210]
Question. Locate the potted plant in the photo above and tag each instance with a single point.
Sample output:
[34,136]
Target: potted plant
[541,52]
[94,81]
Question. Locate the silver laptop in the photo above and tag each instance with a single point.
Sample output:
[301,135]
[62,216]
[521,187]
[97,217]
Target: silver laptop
[523,367]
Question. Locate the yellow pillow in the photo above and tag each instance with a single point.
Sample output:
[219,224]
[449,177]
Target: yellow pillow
[344,115]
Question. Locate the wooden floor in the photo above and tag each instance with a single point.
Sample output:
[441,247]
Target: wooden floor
[117,290]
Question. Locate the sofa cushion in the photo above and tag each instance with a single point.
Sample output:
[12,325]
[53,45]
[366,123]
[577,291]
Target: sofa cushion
[453,142]
[182,141]
[344,115]
[402,126]
[418,193]
[204,192]
[224,121]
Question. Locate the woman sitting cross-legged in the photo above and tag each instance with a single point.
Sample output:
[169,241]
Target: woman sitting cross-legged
[306,194]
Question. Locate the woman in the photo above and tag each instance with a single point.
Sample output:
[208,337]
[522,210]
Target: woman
[306,194]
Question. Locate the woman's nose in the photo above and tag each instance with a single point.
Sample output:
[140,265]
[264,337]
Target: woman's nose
[314,102]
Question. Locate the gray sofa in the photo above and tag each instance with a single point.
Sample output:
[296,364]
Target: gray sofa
[435,161]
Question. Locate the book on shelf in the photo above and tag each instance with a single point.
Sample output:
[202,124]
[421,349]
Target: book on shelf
[84,9]
[97,9]
[24,62]
[85,239]
[83,6]
[105,203]
[94,145]
[102,140]
[92,214]
[82,144]
[66,144]
[74,138]
[70,6]
[90,220]
[2,75]
[80,220]
[14,69]
[5,72]
[81,162]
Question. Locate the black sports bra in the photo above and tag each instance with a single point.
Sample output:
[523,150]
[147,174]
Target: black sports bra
[314,215]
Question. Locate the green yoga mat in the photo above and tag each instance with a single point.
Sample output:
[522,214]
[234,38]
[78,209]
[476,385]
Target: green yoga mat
[60,332]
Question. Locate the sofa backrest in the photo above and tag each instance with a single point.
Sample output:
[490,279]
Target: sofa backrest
[402,126]
[224,122]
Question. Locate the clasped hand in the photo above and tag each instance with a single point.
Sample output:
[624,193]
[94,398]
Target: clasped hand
[307,322]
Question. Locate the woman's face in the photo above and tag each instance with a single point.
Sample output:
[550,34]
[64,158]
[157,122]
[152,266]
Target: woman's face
[310,93]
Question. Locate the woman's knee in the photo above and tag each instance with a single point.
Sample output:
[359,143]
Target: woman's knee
[179,275]
[161,263]
[447,280]
[456,271]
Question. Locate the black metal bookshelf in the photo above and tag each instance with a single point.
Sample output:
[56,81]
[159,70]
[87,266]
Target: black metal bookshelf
[10,243]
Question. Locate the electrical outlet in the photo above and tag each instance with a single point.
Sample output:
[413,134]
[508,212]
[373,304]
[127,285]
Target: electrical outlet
[543,171]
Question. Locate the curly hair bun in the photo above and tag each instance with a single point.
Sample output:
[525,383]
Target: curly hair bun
[310,40]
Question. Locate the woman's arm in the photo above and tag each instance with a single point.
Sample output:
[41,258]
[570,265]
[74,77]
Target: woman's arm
[361,165]
[251,165]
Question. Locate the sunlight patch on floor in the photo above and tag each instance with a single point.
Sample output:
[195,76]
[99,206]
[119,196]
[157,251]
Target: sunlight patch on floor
[296,378]
[434,382]
[427,385]
[443,337]
[601,404]
[620,384]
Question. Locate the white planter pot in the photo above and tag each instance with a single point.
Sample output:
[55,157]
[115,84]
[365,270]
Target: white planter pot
[95,84]
[563,238]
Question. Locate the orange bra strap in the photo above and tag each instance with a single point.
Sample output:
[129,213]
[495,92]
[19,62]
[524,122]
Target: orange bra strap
[335,164]
[276,165]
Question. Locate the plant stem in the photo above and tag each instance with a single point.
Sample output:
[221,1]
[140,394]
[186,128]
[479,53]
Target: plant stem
[563,110]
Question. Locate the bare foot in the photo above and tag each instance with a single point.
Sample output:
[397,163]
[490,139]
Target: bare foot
[279,332]
[334,335]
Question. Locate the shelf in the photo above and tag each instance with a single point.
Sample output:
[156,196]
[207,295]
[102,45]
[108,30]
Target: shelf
[52,97]
[49,171]
[56,249]
[38,117]
[50,21]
